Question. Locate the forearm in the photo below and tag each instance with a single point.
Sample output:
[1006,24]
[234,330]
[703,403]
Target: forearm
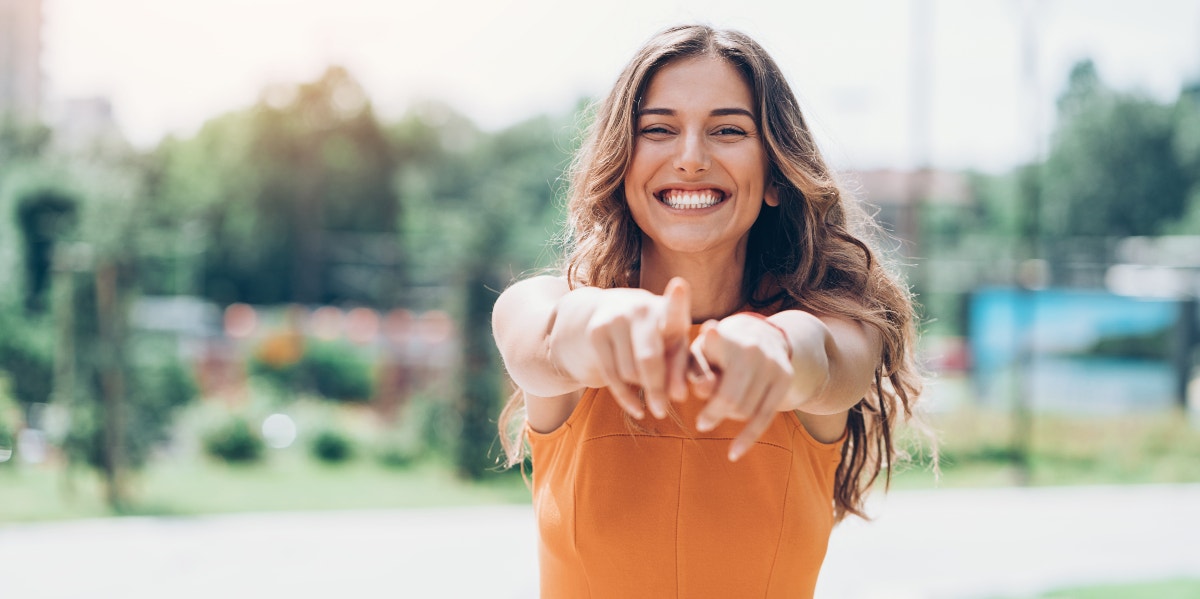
[541,328]
[833,359]
[523,320]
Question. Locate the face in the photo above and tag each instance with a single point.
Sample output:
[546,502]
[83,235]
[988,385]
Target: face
[697,179]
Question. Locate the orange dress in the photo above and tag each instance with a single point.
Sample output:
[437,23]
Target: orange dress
[657,510]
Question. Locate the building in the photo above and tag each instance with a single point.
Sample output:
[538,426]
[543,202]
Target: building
[20,59]
[895,197]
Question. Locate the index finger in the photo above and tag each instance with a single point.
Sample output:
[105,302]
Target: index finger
[758,423]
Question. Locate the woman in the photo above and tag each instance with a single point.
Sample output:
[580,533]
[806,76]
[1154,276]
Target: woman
[699,197]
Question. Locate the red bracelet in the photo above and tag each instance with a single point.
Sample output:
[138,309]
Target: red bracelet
[786,341]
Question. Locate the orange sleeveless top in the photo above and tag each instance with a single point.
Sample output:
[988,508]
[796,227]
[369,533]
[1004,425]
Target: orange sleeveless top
[655,509]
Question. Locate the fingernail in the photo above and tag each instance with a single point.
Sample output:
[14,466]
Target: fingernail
[704,425]
[735,454]
[658,411]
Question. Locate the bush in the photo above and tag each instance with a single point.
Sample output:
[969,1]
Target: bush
[26,356]
[332,370]
[7,441]
[398,452]
[235,442]
[332,447]
[336,371]
[158,385]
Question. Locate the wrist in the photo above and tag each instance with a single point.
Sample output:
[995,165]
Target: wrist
[787,340]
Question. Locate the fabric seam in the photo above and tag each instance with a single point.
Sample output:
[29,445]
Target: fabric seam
[681,438]
[678,509]
[787,487]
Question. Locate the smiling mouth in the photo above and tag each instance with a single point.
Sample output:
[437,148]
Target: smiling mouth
[691,199]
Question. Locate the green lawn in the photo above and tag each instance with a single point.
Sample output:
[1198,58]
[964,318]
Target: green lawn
[1132,449]
[1169,589]
[976,451]
[285,482]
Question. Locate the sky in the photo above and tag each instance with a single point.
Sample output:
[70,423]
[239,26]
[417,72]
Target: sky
[881,88]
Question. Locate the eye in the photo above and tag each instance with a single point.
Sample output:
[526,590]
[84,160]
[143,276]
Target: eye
[655,131]
[729,131]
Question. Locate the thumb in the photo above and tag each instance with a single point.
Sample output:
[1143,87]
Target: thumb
[701,376]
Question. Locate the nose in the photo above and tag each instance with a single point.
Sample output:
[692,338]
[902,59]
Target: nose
[691,155]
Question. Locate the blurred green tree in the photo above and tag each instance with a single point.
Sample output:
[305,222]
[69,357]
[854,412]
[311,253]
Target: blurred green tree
[289,201]
[481,210]
[1114,169]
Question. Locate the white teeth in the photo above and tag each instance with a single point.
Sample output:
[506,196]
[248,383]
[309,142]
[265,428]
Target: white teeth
[684,200]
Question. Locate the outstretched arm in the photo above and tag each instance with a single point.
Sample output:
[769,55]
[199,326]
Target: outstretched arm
[793,360]
[555,340]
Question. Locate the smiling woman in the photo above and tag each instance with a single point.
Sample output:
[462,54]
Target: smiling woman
[718,280]
[697,178]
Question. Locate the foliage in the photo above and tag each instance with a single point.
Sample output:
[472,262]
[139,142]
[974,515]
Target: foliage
[1117,165]
[8,425]
[499,197]
[333,370]
[336,371]
[291,200]
[425,426]
[332,446]
[44,217]
[26,358]
[1155,345]
[234,441]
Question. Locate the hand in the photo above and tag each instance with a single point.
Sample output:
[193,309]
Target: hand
[749,375]
[631,339]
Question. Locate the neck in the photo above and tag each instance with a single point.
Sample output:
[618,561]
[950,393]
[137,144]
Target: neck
[716,282]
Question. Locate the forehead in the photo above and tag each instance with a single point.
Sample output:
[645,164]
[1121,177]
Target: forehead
[700,82]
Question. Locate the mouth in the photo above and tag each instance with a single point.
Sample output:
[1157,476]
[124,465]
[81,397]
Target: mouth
[690,199]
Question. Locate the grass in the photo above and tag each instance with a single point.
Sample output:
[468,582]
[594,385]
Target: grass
[976,450]
[1168,589]
[285,482]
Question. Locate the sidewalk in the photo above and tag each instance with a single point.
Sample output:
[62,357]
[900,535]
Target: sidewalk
[943,544]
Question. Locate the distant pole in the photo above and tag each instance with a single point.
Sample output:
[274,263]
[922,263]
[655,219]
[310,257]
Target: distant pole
[66,265]
[1186,330]
[112,381]
[1032,273]
[921,71]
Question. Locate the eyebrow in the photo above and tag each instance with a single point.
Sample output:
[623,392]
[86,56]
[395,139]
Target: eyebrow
[715,112]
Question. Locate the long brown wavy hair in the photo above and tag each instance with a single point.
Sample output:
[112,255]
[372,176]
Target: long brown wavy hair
[812,252]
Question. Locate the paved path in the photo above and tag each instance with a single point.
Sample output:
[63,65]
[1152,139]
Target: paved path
[952,544]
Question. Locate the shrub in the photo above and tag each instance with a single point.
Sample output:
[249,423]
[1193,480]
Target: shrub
[398,452]
[235,442]
[26,357]
[6,442]
[332,370]
[332,447]
[336,371]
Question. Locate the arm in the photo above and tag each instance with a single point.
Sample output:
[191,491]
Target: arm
[522,320]
[834,361]
[556,341]
[820,366]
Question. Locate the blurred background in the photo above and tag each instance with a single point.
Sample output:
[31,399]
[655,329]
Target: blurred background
[249,249]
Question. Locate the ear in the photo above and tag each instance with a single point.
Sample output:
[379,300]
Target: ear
[771,195]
